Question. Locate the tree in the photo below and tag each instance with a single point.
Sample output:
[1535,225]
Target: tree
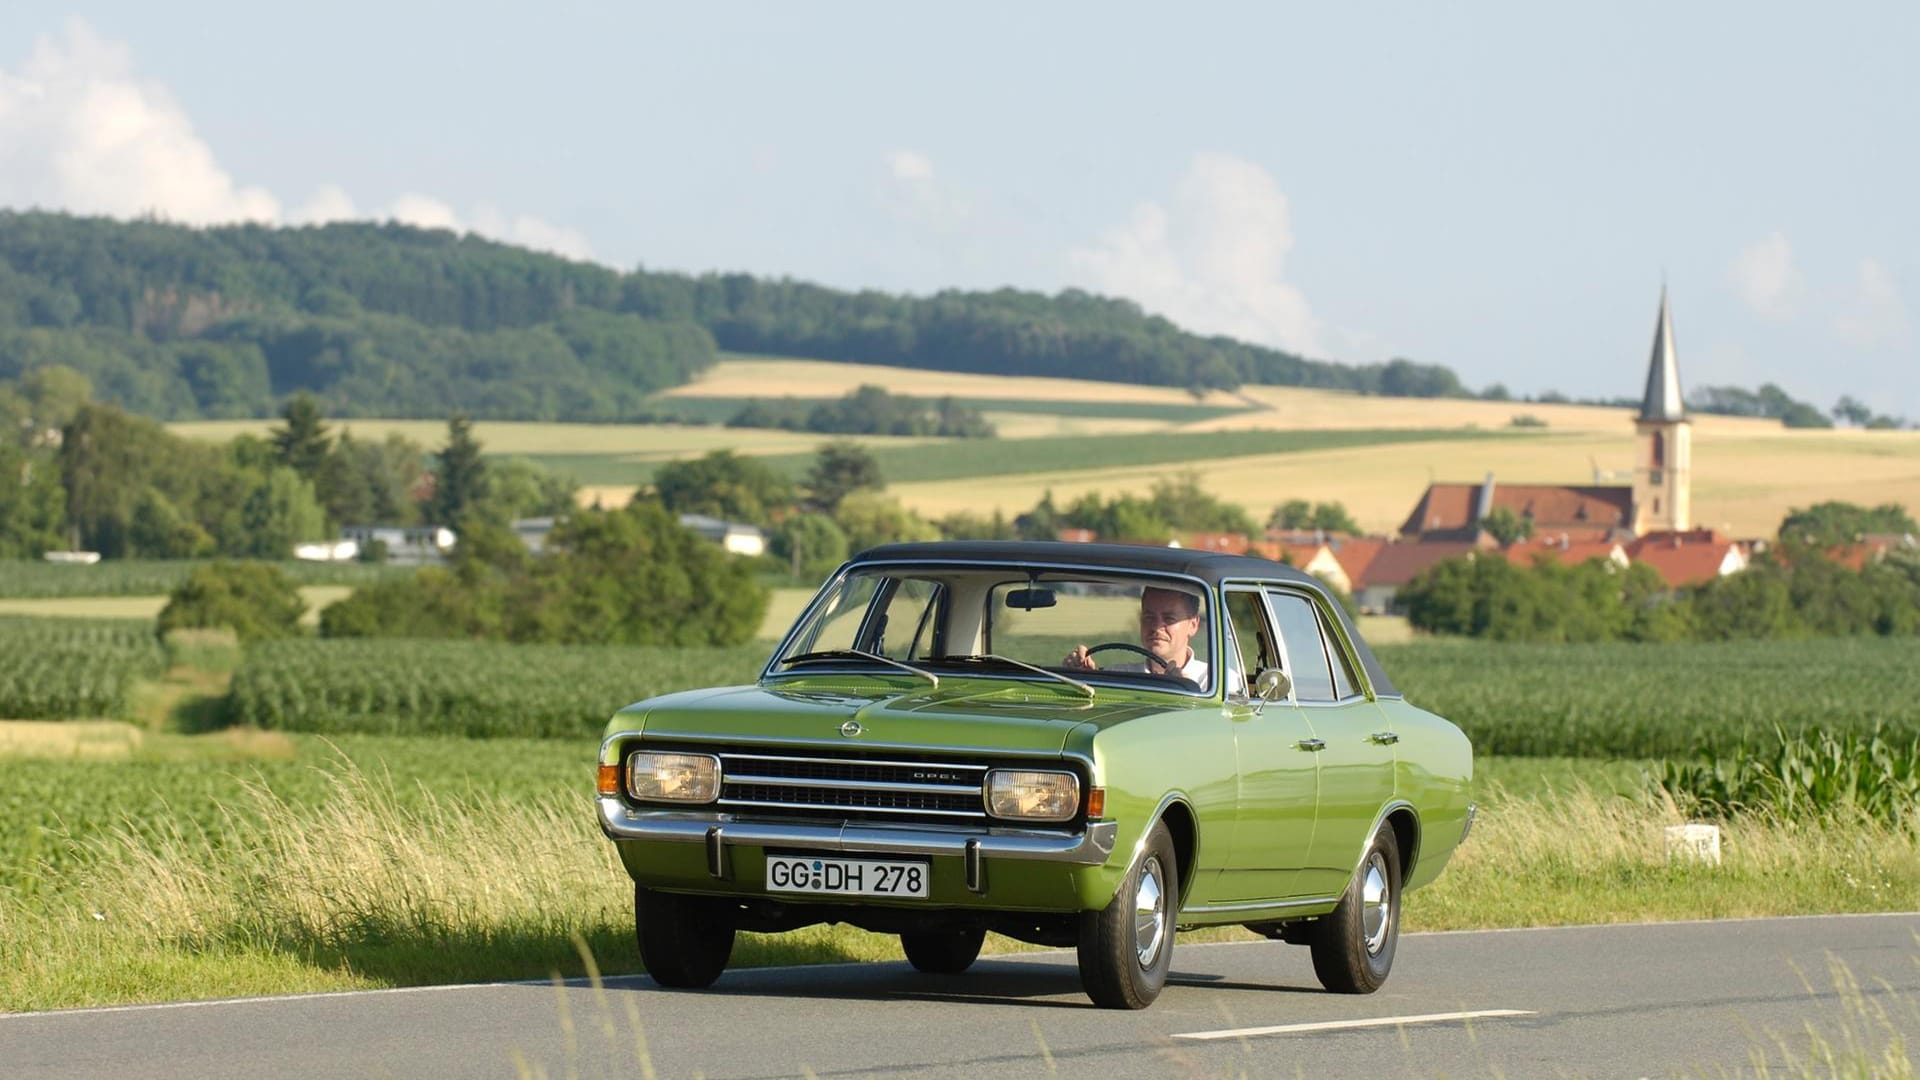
[870,518]
[811,543]
[302,442]
[255,599]
[32,503]
[1833,523]
[1850,410]
[280,512]
[1291,515]
[723,485]
[460,480]
[1506,526]
[1333,518]
[841,468]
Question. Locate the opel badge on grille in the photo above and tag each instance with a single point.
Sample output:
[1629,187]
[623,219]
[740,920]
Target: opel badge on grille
[851,729]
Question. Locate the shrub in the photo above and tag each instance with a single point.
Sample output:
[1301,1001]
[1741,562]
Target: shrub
[255,599]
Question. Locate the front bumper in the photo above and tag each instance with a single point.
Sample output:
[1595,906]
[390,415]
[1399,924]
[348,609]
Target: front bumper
[1089,847]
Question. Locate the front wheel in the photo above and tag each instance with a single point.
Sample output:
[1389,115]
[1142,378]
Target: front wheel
[1353,946]
[682,941]
[942,952]
[1126,948]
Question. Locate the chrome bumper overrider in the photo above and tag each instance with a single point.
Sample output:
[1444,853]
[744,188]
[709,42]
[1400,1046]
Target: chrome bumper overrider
[1089,847]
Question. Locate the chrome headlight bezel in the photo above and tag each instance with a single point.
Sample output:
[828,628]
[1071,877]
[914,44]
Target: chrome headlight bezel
[673,776]
[1050,795]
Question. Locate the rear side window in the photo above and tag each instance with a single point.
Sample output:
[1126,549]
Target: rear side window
[1300,630]
[1344,684]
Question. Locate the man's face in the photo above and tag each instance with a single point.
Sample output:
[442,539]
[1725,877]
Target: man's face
[1168,620]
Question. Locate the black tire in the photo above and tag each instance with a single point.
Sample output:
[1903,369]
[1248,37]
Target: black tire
[1352,949]
[682,943]
[1118,969]
[943,952]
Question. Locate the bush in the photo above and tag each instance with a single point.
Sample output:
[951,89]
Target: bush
[254,599]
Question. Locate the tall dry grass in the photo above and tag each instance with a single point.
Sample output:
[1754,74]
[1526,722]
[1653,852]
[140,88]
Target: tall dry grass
[371,890]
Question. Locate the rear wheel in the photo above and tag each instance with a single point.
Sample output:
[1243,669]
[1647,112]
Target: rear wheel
[683,942]
[1353,946]
[1126,948]
[942,952]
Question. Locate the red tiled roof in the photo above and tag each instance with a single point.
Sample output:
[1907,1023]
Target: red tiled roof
[1855,557]
[1396,564]
[1672,539]
[1354,556]
[1076,536]
[1571,553]
[1229,543]
[1684,564]
[1447,507]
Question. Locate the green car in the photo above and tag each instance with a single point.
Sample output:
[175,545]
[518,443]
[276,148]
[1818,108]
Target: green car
[1091,745]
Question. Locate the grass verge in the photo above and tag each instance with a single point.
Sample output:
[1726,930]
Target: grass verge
[371,882]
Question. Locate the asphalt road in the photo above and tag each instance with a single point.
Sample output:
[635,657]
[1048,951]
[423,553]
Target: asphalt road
[1621,1001]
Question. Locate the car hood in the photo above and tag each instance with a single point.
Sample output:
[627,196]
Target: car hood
[983,715]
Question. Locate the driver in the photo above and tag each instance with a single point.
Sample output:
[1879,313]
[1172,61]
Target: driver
[1168,620]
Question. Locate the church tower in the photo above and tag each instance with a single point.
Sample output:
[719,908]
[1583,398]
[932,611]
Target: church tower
[1663,460]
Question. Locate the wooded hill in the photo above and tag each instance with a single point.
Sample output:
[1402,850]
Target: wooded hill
[391,320]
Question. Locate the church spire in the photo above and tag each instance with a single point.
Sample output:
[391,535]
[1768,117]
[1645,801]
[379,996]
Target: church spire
[1663,401]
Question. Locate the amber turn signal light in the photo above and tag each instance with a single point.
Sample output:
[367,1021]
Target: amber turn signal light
[609,779]
[1096,802]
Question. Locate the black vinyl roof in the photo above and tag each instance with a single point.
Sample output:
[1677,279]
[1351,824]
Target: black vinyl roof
[1212,567]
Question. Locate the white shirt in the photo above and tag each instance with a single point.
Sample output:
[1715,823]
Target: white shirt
[1195,668]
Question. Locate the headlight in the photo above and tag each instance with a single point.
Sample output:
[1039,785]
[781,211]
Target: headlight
[1033,796]
[655,777]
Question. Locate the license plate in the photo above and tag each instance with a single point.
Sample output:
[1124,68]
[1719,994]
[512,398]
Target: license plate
[846,877]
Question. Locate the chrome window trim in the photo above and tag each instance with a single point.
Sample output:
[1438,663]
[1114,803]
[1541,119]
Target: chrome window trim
[1213,692]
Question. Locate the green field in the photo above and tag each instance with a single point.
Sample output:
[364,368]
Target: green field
[465,688]
[54,668]
[957,459]
[28,579]
[718,410]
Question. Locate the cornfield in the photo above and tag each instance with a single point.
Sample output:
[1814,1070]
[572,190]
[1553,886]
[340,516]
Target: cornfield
[475,689]
[55,669]
[1644,701]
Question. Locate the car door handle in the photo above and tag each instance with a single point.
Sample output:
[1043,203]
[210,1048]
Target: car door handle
[1384,738]
[1312,744]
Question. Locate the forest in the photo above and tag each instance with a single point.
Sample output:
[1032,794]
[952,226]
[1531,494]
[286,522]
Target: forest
[390,320]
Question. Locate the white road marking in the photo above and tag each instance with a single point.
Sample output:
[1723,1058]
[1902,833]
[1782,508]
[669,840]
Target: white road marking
[1343,1025]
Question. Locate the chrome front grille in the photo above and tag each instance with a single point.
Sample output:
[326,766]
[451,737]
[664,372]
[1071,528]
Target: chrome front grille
[853,789]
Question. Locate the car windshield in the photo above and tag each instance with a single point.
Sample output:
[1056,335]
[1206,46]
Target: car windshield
[1108,627]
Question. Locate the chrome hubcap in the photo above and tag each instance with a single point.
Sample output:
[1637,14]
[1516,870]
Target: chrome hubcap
[1149,914]
[1376,904]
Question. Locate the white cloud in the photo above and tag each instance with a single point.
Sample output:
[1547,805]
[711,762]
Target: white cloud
[329,203]
[909,165]
[1765,279]
[1874,315]
[80,132]
[1213,259]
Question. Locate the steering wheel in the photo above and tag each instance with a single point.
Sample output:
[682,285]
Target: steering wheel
[1165,668]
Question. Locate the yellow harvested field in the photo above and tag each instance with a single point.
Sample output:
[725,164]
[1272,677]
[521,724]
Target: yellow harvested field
[753,376]
[1742,483]
[85,740]
[1290,408]
[1010,425]
[782,610]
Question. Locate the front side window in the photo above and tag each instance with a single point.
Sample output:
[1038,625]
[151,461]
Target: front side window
[1134,630]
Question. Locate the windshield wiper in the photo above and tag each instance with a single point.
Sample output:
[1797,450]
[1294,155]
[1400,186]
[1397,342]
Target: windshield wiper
[843,654]
[998,659]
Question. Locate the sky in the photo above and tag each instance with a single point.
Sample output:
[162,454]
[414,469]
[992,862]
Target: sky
[1500,188]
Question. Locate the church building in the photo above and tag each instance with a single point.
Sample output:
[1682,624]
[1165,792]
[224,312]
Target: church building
[1657,502]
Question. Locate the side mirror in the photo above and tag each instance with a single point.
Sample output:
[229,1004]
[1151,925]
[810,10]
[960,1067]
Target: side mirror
[1272,683]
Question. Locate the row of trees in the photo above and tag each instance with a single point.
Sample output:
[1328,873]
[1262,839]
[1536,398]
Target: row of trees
[869,410]
[77,473]
[1797,589]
